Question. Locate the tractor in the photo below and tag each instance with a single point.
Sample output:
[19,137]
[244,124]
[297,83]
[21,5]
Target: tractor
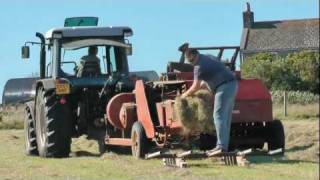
[65,103]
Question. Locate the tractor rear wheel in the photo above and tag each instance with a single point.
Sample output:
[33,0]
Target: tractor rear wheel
[52,126]
[30,134]
[275,138]
[139,141]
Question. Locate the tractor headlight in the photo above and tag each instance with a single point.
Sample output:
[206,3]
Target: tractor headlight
[57,36]
[62,87]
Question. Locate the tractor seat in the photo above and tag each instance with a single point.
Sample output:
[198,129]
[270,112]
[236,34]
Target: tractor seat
[89,69]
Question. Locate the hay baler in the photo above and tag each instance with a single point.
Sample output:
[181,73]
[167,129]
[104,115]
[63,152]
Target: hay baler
[145,119]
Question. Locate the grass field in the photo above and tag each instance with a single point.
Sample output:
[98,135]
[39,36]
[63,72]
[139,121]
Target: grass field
[297,112]
[301,160]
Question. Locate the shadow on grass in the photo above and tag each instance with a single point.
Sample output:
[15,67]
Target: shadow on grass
[299,148]
[198,165]
[261,159]
[84,154]
[115,150]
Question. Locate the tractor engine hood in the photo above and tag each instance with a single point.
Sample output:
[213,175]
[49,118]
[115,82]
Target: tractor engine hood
[87,82]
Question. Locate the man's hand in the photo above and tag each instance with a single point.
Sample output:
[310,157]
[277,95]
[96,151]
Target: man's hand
[184,95]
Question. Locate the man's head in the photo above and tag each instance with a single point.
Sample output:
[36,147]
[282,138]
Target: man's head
[191,55]
[93,50]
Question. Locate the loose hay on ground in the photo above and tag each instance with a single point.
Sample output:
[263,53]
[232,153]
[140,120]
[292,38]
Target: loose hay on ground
[195,112]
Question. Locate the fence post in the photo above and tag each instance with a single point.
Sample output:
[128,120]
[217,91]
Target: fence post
[285,103]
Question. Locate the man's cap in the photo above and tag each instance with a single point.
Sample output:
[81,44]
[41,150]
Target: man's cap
[183,47]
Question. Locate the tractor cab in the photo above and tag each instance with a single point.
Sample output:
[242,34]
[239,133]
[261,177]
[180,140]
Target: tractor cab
[82,66]
[65,52]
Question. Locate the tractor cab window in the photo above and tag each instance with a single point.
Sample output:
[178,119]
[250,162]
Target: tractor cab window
[73,61]
[92,57]
[113,62]
[49,63]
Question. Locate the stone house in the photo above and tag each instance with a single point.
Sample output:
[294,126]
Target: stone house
[279,37]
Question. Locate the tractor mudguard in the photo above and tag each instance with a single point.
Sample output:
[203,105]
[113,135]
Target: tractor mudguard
[47,84]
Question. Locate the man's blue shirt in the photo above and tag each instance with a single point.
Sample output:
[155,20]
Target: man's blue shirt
[212,71]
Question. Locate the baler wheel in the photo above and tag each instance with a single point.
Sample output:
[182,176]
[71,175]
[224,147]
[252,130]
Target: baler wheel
[139,140]
[30,134]
[53,127]
[276,137]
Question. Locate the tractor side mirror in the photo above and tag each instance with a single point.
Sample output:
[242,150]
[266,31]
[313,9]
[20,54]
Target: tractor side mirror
[129,50]
[25,52]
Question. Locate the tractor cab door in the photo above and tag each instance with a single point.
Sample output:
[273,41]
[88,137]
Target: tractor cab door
[116,60]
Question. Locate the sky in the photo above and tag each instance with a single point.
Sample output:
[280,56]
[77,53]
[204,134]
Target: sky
[159,26]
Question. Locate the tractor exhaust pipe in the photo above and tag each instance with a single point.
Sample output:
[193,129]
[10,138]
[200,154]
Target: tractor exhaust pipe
[42,55]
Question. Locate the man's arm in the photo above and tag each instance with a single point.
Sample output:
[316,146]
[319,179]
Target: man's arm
[196,85]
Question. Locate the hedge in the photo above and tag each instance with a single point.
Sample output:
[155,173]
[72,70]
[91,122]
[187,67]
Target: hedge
[297,72]
[295,97]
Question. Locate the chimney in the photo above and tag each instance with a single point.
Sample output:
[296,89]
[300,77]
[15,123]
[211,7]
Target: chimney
[248,18]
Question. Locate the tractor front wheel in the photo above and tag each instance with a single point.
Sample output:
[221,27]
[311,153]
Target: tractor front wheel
[30,133]
[139,141]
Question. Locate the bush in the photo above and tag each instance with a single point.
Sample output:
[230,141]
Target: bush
[297,72]
[306,66]
[258,67]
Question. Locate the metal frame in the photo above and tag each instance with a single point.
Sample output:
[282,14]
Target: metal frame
[221,50]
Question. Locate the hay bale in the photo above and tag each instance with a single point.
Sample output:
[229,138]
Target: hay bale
[195,112]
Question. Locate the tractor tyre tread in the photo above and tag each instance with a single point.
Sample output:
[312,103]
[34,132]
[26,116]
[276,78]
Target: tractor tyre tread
[30,134]
[57,134]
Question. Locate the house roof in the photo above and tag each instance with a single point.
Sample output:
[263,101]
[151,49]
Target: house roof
[281,35]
